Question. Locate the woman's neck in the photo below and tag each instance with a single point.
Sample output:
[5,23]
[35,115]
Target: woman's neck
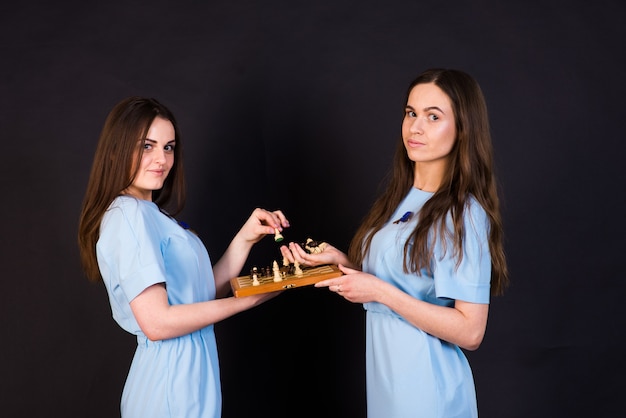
[428,177]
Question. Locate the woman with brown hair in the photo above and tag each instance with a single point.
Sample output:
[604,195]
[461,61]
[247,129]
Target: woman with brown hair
[161,284]
[428,255]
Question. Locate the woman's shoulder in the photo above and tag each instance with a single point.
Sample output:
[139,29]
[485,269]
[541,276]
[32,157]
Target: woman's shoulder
[130,207]
[475,212]
[473,205]
[130,203]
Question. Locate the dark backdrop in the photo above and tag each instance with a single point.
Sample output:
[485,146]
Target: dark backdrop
[296,105]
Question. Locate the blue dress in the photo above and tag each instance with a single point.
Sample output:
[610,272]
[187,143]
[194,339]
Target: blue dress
[138,247]
[411,373]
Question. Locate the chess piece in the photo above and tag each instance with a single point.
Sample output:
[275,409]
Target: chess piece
[277,235]
[277,276]
[314,247]
[298,271]
[255,280]
[285,269]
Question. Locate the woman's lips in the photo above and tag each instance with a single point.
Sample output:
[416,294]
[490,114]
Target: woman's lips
[414,143]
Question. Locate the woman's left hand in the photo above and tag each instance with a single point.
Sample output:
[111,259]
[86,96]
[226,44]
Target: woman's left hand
[261,223]
[355,286]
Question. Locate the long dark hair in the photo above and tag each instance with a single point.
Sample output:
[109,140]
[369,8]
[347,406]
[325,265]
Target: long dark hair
[470,173]
[112,171]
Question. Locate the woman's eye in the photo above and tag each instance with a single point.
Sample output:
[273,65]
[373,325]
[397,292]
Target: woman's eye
[147,146]
[433,117]
[411,113]
[169,148]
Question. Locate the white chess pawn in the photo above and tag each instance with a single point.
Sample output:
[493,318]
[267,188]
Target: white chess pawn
[298,271]
[255,280]
[277,235]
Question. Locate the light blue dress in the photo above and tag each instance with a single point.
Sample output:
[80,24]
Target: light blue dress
[139,246]
[409,372]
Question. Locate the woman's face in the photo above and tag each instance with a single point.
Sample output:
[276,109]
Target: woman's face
[156,161]
[428,128]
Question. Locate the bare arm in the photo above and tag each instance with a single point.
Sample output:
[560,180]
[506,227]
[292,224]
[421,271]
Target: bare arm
[159,320]
[464,324]
[260,223]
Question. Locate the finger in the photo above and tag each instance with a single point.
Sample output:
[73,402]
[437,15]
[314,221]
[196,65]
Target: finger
[347,270]
[297,252]
[279,220]
[338,288]
[282,219]
[326,283]
[265,218]
[287,253]
[268,222]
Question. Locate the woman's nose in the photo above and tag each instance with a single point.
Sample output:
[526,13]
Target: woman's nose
[159,156]
[416,126]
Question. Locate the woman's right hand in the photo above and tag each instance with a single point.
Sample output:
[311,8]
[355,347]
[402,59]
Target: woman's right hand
[330,255]
[261,223]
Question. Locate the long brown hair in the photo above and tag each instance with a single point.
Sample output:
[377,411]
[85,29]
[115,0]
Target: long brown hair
[470,173]
[116,154]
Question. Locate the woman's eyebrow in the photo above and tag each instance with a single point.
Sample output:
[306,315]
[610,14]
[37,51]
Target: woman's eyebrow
[437,108]
[426,109]
[154,142]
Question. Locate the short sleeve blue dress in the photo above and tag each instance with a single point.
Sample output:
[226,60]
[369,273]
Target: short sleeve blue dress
[411,373]
[139,246]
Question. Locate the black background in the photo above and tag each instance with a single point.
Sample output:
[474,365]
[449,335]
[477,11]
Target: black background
[296,106]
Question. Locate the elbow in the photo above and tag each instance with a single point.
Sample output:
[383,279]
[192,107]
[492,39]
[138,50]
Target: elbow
[472,342]
[471,347]
[153,334]
[154,331]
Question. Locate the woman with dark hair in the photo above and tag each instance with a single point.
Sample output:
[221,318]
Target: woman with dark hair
[158,274]
[428,255]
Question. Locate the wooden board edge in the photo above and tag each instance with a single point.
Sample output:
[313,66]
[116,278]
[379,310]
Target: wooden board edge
[283,285]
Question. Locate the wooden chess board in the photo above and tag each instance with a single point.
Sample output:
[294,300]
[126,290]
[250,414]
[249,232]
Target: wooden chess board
[242,286]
